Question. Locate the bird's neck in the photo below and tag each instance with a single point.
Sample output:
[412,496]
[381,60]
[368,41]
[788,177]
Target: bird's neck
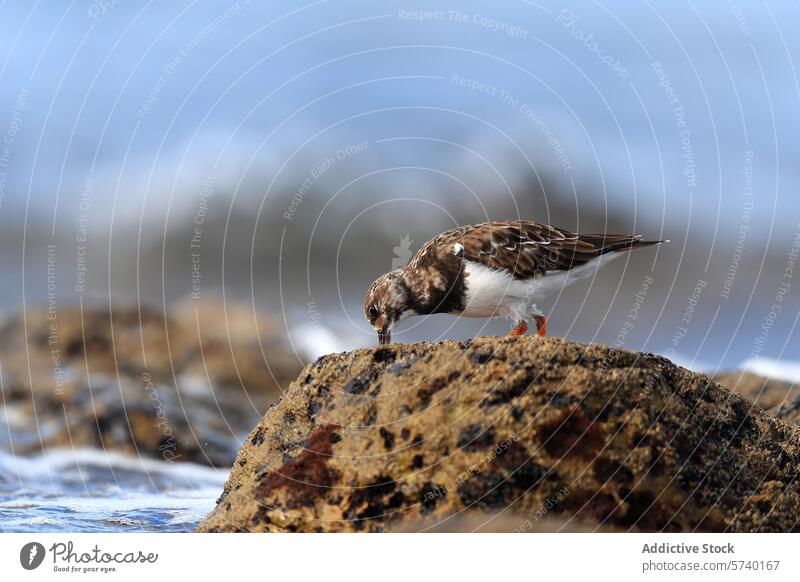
[430,290]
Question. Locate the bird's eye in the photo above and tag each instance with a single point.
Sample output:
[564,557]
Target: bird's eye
[373,311]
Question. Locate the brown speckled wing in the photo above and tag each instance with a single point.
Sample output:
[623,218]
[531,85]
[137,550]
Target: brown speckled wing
[524,248]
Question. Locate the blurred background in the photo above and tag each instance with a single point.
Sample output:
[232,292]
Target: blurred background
[286,154]
[194,197]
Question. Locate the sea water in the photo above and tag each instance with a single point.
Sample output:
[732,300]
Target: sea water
[91,490]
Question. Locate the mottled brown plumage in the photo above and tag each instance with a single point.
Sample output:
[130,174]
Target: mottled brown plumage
[524,248]
[489,269]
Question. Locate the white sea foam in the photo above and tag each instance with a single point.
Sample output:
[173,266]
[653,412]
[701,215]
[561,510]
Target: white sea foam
[91,489]
[315,340]
[58,460]
[189,501]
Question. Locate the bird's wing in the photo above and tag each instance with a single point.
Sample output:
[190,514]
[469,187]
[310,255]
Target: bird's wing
[526,249]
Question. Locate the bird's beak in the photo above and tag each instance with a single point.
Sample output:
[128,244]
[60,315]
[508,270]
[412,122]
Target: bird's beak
[384,337]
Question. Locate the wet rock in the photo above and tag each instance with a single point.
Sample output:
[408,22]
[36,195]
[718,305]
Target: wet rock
[187,386]
[545,431]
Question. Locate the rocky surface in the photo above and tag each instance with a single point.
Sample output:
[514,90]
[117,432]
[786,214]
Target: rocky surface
[789,411]
[768,393]
[778,398]
[524,433]
[183,387]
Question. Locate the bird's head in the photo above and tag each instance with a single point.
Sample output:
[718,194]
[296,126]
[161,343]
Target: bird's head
[387,303]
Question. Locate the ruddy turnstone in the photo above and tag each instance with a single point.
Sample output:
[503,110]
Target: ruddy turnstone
[491,269]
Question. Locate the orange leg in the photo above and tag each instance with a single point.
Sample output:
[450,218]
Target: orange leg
[519,329]
[541,325]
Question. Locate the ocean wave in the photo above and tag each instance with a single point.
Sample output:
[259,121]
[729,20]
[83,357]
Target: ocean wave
[96,490]
[61,460]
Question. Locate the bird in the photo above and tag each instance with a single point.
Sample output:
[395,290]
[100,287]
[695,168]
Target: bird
[492,269]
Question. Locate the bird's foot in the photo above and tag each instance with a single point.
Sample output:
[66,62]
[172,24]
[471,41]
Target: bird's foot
[541,325]
[519,329]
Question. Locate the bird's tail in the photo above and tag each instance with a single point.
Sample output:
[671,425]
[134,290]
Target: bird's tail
[614,243]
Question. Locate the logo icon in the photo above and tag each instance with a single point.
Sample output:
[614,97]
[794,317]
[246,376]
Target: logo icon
[31,555]
[402,252]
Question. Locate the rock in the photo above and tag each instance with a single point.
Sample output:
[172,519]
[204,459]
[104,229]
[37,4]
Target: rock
[240,348]
[136,416]
[789,412]
[779,398]
[768,393]
[409,436]
[184,387]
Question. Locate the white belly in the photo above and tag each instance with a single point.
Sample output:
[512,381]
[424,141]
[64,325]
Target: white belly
[490,292]
[495,293]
